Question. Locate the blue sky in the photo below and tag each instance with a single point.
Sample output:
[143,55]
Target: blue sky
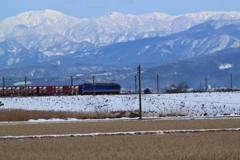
[91,8]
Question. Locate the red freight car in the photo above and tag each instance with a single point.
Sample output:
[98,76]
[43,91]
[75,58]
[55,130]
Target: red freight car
[16,90]
[51,90]
[46,90]
[75,90]
[67,89]
[71,90]
[7,90]
[59,89]
[1,90]
[42,90]
[32,90]
[24,90]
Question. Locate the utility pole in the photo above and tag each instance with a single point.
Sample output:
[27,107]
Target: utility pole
[25,81]
[206,83]
[71,81]
[157,84]
[135,84]
[93,85]
[231,81]
[3,84]
[139,87]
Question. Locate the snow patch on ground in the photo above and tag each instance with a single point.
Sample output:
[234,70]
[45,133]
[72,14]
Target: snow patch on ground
[189,104]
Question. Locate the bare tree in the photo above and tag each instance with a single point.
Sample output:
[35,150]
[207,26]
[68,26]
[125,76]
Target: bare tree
[182,87]
[171,89]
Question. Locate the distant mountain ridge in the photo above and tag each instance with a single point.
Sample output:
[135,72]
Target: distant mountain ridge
[203,39]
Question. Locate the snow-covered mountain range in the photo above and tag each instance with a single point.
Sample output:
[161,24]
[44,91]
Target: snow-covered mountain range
[202,39]
[49,33]
[45,38]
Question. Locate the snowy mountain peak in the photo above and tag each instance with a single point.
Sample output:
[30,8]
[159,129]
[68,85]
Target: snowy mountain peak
[208,15]
[43,13]
[51,12]
[113,14]
[158,16]
[34,18]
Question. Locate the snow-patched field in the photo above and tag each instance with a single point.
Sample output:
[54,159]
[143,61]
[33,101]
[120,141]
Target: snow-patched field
[190,104]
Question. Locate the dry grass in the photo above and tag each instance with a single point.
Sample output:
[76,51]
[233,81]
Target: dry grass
[197,146]
[24,115]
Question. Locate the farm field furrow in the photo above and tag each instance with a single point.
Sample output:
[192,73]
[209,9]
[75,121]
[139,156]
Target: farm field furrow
[13,129]
[197,146]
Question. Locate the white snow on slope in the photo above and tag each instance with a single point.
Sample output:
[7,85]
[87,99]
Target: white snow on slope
[190,104]
[225,66]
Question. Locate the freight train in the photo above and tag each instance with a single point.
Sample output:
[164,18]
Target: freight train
[83,89]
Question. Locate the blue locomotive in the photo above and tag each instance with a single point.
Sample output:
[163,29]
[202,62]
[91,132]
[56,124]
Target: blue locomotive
[100,88]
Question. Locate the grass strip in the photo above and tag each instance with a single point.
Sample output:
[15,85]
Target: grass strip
[25,115]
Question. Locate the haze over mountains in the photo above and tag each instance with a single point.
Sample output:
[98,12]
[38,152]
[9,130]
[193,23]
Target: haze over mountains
[45,38]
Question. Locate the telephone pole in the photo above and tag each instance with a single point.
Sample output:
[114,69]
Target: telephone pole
[139,87]
[25,81]
[206,83]
[157,84]
[71,81]
[93,85]
[26,89]
[231,81]
[135,77]
[3,84]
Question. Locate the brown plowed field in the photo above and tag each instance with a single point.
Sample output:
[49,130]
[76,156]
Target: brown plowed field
[205,145]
